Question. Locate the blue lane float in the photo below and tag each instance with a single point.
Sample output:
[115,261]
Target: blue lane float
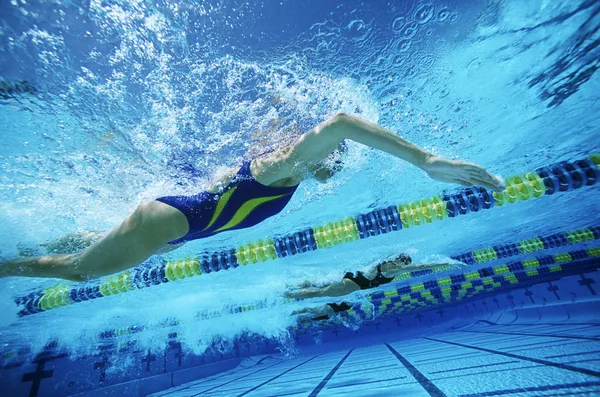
[560,177]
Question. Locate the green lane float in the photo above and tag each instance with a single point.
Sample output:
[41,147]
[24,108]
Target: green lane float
[560,177]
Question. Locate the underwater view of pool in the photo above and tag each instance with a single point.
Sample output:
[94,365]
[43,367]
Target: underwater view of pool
[108,104]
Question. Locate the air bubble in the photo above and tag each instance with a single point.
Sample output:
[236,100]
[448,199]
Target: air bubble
[356,27]
[404,45]
[410,30]
[425,13]
[410,72]
[443,14]
[474,64]
[400,60]
[358,30]
[426,61]
[398,24]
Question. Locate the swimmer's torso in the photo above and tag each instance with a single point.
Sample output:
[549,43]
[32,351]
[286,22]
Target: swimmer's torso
[243,202]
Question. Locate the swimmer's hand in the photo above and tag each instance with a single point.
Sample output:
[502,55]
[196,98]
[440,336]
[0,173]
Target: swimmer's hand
[466,174]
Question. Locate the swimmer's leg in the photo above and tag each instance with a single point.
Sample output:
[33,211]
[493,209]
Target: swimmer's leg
[140,235]
[72,243]
[312,313]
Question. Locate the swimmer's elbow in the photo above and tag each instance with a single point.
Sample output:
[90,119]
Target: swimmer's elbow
[340,117]
[340,121]
[344,126]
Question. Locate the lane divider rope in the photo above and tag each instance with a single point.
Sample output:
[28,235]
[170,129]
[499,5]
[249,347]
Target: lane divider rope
[560,177]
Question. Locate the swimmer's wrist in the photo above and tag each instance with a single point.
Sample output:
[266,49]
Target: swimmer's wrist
[424,159]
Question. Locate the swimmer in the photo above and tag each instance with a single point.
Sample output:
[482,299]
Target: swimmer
[319,313]
[259,189]
[377,275]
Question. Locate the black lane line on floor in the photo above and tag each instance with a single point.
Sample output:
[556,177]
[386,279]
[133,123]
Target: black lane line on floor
[236,379]
[275,377]
[532,389]
[542,335]
[422,379]
[321,385]
[517,356]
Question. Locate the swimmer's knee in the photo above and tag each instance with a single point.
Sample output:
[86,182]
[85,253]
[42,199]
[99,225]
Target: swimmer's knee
[70,267]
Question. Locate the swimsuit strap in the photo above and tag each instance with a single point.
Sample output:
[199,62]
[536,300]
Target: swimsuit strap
[245,169]
[244,172]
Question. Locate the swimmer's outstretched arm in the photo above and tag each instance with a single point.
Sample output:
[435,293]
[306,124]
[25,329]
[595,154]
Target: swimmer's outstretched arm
[391,269]
[318,143]
[335,289]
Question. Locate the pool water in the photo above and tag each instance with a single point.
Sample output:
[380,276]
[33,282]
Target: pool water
[104,105]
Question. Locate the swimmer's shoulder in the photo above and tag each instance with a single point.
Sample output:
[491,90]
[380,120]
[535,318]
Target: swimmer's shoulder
[275,169]
[270,169]
[221,179]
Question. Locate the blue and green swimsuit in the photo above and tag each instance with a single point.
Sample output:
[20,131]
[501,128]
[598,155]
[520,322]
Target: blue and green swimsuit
[245,202]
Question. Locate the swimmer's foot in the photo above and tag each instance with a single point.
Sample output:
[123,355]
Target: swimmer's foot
[294,294]
[71,243]
[457,265]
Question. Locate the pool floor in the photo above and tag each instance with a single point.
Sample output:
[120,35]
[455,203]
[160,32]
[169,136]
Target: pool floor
[528,337]
[486,359]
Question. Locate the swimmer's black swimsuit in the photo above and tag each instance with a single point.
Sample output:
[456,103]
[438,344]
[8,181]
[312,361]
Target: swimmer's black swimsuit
[337,307]
[365,283]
